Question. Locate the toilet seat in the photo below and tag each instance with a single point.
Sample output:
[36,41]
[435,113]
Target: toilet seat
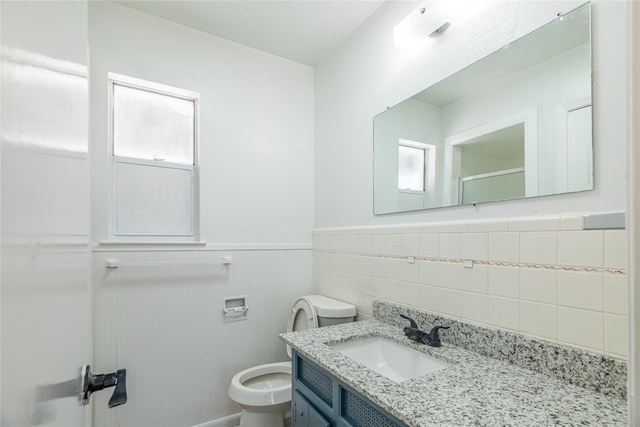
[303,316]
[302,309]
[262,396]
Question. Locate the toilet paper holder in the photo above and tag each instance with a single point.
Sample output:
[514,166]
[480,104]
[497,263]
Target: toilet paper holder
[235,308]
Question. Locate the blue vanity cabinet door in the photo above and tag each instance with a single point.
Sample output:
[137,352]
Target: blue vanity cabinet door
[316,419]
[314,391]
[304,414]
[321,400]
[356,410]
[299,410]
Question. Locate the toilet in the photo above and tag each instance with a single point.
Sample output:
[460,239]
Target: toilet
[264,392]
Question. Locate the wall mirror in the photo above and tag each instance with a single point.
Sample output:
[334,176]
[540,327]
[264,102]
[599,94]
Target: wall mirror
[515,124]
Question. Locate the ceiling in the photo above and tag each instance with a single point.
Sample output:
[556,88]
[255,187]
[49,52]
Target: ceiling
[305,31]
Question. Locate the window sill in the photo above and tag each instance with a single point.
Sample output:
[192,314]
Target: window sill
[412,192]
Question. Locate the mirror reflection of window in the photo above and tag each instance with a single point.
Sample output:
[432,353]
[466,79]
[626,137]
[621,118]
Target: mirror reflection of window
[411,167]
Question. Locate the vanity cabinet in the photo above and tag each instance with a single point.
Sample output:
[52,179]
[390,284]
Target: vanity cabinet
[321,400]
[304,414]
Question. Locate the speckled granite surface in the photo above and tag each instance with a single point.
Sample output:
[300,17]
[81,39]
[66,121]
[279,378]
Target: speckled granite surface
[474,391]
[593,371]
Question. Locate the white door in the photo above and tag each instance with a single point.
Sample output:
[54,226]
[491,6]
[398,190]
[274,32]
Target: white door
[45,292]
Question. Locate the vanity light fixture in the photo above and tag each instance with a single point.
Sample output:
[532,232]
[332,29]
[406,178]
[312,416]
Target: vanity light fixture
[425,21]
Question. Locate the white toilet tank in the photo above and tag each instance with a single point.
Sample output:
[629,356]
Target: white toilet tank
[313,311]
[331,311]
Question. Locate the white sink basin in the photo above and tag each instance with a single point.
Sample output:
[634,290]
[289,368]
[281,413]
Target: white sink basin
[395,361]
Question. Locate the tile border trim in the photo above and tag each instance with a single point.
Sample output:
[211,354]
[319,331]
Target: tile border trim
[411,259]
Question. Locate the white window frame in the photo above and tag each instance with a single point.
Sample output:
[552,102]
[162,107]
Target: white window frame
[428,174]
[114,236]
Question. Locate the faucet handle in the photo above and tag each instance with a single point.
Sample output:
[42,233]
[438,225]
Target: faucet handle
[413,322]
[434,335]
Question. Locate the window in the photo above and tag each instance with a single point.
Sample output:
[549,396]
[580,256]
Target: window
[416,163]
[411,168]
[153,150]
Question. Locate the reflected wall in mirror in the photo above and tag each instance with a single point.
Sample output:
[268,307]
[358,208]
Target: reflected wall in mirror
[515,124]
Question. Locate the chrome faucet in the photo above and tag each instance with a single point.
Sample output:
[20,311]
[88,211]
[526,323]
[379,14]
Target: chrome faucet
[431,338]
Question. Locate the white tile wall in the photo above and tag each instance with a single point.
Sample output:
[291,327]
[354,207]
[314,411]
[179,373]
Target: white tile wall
[475,279]
[539,247]
[429,244]
[474,306]
[475,246]
[429,298]
[543,277]
[503,313]
[504,281]
[534,224]
[538,285]
[615,294]
[539,320]
[581,327]
[488,225]
[581,290]
[504,247]
[580,248]
[410,244]
[394,244]
[615,334]
[449,302]
[428,273]
[615,254]
[449,275]
[450,245]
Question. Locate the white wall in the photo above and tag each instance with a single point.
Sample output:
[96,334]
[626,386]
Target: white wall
[256,123]
[367,74]
[164,324]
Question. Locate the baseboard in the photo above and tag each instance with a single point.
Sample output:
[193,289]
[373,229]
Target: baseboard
[234,420]
[228,421]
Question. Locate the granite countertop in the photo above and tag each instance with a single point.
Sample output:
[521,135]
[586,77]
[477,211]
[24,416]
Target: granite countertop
[474,391]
